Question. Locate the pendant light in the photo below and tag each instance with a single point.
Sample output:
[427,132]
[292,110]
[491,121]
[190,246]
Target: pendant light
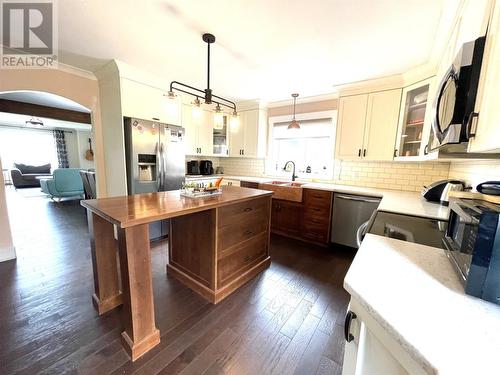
[197,111]
[218,118]
[294,125]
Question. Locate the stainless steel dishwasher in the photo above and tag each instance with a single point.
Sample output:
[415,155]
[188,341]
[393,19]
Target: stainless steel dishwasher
[348,214]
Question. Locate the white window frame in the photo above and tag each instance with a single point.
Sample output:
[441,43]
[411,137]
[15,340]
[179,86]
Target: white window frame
[332,115]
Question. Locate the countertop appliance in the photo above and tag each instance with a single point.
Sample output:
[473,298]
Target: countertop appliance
[434,192]
[450,186]
[349,212]
[472,244]
[206,167]
[155,161]
[408,228]
[489,188]
[453,109]
[193,167]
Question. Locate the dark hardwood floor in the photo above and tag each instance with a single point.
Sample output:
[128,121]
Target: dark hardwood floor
[286,321]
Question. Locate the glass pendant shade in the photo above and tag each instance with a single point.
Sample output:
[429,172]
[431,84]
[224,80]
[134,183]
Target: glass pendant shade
[218,118]
[172,104]
[234,122]
[196,111]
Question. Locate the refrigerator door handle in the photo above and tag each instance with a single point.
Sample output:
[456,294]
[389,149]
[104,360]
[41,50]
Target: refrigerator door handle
[163,167]
[159,173]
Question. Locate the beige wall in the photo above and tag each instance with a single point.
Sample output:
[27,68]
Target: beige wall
[325,105]
[79,87]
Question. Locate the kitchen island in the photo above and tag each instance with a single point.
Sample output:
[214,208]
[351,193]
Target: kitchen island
[216,244]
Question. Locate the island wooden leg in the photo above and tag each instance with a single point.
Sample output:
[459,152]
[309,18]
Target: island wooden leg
[140,333]
[104,252]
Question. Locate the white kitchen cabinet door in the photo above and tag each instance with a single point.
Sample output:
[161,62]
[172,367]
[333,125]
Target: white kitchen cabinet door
[351,126]
[487,137]
[381,125]
[148,103]
[191,131]
[205,133]
[237,137]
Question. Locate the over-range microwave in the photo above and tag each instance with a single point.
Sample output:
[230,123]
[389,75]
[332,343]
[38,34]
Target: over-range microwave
[453,109]
[472,243]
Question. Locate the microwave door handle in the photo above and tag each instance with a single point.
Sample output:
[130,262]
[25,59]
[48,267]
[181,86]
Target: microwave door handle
[436,126]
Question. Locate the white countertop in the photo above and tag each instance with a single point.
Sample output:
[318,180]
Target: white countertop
[413,292]
[400,202]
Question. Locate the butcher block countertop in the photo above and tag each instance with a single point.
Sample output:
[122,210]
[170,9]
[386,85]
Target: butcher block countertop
[127,211]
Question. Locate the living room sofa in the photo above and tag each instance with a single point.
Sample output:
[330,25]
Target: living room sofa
[25,176]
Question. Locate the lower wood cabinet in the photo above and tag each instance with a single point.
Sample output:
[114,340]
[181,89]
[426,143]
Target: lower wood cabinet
[308,220]
[286,217]
[248,184]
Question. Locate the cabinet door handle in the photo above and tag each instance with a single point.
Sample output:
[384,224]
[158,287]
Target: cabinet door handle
[349,316]
[426,149]
[395,153]
[248,232]
[247,258]
[364,152]
[156,118]
[359,153]
[243,152]
[248,209]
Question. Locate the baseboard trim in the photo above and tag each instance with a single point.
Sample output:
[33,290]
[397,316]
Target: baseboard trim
[7,254]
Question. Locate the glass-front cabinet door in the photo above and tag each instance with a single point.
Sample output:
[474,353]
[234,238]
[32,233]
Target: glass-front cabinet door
[414,121]
[220,136]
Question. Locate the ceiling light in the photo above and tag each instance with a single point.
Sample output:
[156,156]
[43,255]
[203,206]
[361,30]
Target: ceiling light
[294,125]
[196,111]
[34,122]
[206,93]
[235,121]
[218,118]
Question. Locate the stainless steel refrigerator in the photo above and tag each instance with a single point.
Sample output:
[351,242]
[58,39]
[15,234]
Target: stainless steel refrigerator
[155,157]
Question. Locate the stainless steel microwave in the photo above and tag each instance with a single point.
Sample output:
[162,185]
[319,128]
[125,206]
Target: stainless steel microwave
[472,244]
[453,108]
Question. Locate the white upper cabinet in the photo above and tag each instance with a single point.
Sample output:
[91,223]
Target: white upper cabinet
[351,126]
[248,139]
[381,125]
[198,126]
[487,137]
[367,125]
[148,103]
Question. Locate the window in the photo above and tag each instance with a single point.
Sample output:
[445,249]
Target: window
[33,147]
[311,147]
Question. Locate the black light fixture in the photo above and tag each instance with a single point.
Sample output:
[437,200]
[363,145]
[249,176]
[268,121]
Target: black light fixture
[34,122]
[207,94]
[294,125]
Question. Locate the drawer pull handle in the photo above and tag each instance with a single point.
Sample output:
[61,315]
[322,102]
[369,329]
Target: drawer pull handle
[316,209]
[315,221]
[248,232]
[248,209]
[317,196]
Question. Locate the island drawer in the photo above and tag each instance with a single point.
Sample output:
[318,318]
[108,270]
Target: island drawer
[240,258]
[241,230]
[316,230]
[230,215]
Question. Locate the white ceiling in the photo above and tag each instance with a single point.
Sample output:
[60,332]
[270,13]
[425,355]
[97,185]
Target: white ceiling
[43,98]
[265,48]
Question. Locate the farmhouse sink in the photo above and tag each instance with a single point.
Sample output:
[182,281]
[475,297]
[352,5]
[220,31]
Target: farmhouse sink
[285,190]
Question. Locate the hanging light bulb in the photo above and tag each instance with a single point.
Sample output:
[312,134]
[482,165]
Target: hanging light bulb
[294,125]
[196,111]
[172,105]
[218,118]
[235,121]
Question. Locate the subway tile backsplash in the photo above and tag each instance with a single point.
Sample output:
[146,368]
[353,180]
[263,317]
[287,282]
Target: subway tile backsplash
[475,172]
[390,175]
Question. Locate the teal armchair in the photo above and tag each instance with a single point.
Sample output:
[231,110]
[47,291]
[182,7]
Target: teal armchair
[66,182]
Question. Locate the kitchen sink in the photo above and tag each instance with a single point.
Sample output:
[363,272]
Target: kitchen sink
[285,190]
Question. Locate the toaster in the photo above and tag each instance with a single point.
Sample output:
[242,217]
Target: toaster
[193,167]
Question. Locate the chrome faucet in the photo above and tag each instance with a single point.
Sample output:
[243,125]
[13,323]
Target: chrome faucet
[293,171]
